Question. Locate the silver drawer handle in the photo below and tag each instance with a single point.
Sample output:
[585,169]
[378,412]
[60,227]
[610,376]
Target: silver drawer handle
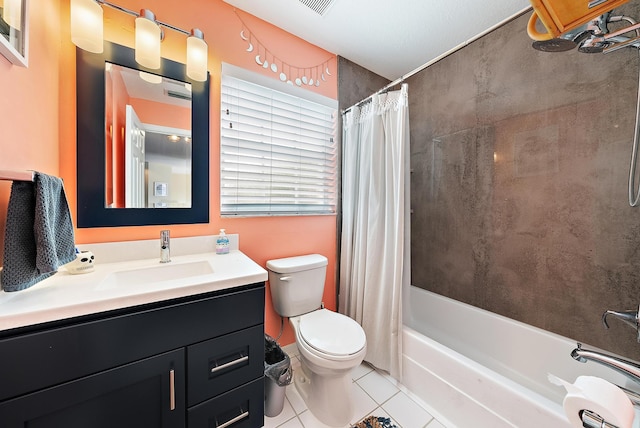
[230,363]
[234,420]
[172,390]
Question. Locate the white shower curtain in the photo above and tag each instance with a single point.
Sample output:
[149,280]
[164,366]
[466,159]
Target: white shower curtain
[375,223]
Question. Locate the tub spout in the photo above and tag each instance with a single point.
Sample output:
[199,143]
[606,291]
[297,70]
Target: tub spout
[627,368]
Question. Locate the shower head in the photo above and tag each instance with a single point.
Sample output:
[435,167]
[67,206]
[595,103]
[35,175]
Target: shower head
[554,45]
[586,37]
[593,37]
[592,45]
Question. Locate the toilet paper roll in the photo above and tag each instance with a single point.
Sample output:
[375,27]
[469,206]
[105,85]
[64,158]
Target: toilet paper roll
[601,397]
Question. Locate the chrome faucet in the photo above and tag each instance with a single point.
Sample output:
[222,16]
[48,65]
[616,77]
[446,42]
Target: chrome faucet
[165,247]
[628,317]
[627,368]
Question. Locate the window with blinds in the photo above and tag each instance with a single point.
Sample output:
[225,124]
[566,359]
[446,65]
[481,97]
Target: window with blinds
[277,152]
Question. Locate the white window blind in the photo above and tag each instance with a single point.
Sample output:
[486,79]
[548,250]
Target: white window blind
[277,152]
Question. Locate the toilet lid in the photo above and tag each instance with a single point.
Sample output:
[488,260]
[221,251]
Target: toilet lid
[332,333]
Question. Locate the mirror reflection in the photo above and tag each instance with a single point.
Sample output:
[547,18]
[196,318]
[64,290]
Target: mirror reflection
[148,149]
[101,134]
[13,31]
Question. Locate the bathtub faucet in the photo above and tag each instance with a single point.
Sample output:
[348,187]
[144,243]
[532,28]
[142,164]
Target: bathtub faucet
[628,317]
[627,368]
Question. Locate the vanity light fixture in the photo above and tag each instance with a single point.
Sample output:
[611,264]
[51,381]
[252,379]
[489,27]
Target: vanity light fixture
[148,37]
[87,33]
[196,55]
[12,13]
[86,25]
[150,78]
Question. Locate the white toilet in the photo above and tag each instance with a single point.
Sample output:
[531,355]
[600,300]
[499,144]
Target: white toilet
[330,344]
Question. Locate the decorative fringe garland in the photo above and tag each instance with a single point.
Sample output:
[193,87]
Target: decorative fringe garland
[312,75]
[375,422]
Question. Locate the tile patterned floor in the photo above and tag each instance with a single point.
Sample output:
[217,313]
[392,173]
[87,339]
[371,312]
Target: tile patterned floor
[374,394]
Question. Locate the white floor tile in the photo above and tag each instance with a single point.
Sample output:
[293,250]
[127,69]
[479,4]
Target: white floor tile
[310,421]
[291,349]
[378,411]
[293,423]
[295,363]
[435,424]
[368,389]
[286,414]
[406,412]
[362,403]
[377,386]
[360,371]
[295,399]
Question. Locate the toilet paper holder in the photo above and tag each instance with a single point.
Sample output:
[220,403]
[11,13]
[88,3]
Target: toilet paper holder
[589,418]
[592,402]
[593,420]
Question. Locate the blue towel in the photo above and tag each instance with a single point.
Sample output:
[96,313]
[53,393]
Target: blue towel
[39,233]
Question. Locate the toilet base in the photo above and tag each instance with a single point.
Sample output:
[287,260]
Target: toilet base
[328,397]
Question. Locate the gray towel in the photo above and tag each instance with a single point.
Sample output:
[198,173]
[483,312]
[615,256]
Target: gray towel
[39,233]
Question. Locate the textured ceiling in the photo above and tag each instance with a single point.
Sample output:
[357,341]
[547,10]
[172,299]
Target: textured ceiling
[390,38]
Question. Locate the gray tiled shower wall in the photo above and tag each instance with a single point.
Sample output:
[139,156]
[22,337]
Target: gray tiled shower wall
[519,193]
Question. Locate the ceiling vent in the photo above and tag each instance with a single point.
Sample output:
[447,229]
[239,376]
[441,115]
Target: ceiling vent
[319,6]
[180,95]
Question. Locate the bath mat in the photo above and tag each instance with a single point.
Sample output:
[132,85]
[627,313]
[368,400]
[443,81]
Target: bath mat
[375,422]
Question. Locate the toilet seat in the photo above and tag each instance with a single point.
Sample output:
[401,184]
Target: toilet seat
[331,334]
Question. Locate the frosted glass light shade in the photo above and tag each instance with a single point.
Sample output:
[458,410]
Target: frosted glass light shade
[197,56]
[12,13]
[147,40]
[151,78]
[86,25]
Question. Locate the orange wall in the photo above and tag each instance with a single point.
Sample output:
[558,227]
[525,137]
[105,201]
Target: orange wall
[163,114]
[114,129]
[38,116]
[29,103]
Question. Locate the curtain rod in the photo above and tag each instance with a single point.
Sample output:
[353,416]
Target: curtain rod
[438,58]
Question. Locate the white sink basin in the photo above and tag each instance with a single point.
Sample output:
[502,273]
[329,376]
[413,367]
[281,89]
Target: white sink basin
[129,274]
[156,274]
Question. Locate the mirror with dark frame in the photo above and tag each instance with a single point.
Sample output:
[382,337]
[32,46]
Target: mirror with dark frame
[152,171]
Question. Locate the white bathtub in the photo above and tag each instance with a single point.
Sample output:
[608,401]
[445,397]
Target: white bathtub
[475,368]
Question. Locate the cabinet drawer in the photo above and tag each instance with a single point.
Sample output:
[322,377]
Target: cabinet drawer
[55,355]
[242,407]
[223,363]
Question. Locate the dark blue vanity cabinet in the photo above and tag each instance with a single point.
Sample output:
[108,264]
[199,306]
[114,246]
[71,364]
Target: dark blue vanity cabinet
[190,362]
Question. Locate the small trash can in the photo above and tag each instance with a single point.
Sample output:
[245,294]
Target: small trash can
[278,374]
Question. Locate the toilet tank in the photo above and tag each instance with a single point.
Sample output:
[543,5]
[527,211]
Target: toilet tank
[297,283]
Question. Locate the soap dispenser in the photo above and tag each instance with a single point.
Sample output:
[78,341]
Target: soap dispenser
[222,243]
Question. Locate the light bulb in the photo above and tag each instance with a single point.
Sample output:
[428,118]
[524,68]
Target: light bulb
[197,56]
[151,78]
[12,13]
[148,37]
[86,25]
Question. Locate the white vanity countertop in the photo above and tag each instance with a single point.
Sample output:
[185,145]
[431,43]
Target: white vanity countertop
[64,295]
